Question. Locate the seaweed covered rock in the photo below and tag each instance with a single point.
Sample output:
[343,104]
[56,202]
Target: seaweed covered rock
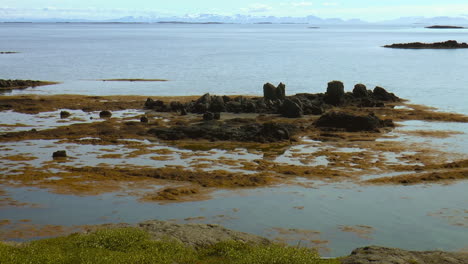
[231,130]
[360,91]
[381,94]
[352,123]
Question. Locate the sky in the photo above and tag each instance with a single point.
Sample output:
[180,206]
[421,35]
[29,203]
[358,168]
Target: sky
[370,10]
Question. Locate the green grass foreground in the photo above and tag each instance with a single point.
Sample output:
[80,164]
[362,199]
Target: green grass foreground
[132,245]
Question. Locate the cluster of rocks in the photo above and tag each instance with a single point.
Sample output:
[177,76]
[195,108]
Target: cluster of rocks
[275,101]
[449,44]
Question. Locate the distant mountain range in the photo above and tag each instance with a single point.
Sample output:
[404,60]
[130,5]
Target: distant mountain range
[248,19]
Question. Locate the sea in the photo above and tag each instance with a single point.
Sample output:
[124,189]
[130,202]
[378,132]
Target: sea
[237,59]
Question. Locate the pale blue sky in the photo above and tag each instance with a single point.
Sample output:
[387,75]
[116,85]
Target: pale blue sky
[372,10]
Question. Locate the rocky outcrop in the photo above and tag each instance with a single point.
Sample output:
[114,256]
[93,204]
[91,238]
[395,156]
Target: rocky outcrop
[270,92]
[382,255]
[335,93]
[351,123]
[449,44]
[197,235]
[444,27]
[275,101]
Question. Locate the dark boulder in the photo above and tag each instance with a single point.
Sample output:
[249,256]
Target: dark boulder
[105,114]
[208,116]
[217,104]
[291,109]
[380,93]
[64,114]
[351,123]
[360,91]
[144,119]
[59,154]
[335,93]
[217,116]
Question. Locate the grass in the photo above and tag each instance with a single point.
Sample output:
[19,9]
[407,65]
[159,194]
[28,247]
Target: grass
[132,245]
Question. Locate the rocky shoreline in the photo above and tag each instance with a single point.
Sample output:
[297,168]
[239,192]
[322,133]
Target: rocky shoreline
[449,44]
[6,85]
[202,235]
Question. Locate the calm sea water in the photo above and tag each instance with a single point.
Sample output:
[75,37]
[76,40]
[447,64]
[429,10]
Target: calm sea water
[238,59]
[235,59]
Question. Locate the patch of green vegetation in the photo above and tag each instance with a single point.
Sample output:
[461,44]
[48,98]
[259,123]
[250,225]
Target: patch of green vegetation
[132,245]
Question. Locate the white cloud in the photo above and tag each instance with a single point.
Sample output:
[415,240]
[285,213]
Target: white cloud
[330,4]
[257,8]
[302,4]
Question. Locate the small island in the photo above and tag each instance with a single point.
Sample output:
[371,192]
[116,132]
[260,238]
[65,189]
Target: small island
[8,52]
[444,27]
[449,44]
[7,85]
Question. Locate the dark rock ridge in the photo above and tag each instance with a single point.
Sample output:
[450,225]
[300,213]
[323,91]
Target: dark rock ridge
[275,101]
[352,123]
[444,27]
[229,130]
[21,84]
[449,44]
[382,255]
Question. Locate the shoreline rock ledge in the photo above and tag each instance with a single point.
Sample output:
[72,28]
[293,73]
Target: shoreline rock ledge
[201,235]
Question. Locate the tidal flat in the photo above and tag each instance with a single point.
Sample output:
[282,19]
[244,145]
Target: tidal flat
[330,187]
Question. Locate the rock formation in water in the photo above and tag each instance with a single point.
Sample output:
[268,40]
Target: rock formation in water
[444,27]
[274,101]
[449,44]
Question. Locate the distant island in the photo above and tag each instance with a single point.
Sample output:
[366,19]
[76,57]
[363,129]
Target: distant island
[444,27]
[183,22]
[449,44]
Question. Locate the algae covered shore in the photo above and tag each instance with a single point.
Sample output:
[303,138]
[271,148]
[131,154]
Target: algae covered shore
[177,151]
